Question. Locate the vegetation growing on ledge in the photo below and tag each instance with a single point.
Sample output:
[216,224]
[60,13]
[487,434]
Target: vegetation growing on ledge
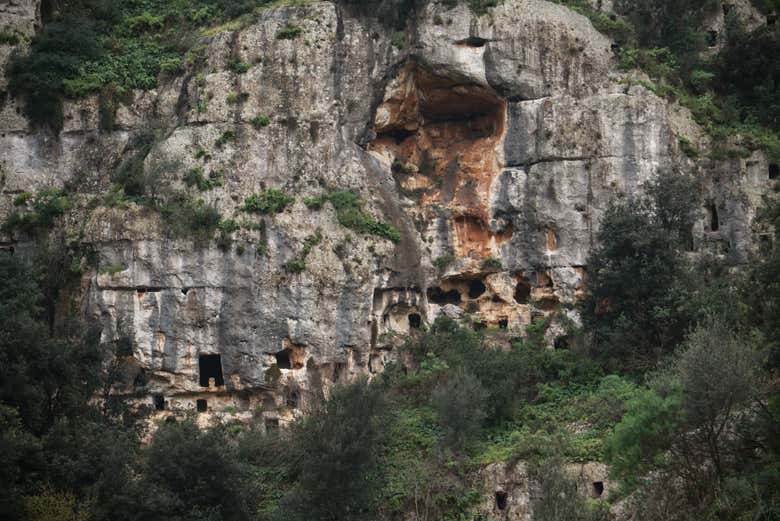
[730,93]
[349,210]
[90,45]
[288,32]
[45,207]
[195,177]
[298,264]
[269,201]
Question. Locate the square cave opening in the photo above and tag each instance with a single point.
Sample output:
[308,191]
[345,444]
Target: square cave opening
[210,366]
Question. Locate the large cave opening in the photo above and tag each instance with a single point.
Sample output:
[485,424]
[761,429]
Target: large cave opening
[441,136]
[210,368]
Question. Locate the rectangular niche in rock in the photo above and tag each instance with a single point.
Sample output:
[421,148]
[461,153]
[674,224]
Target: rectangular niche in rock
[201,405]
[210,367]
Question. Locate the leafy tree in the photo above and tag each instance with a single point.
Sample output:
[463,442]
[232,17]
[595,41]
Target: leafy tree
[43,377]
[22,460]
[667,23]
[639,301]
[559,498]
[747,73]
[460,404]
[57,54]
[188,473]
[340,473]
[694,426]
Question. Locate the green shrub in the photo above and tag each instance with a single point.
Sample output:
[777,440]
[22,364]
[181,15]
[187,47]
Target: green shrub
[269,201]
[226,229]
[226,137]
[144,22]
[22,198]
[234,98]
[398,39]
[238,66]
[288,32]
[260,121]
[112,269]
[491,263]
[444,260]
[8,37]
[195,177]
[298,264]
[351,215]
[46,207]
[188,218]
[170,65]
[315,203]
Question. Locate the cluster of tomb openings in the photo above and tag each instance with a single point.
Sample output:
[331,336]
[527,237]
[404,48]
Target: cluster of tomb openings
[210,367]
[598,488]
[501,499]
[441,297]
[283,360]
[774,171]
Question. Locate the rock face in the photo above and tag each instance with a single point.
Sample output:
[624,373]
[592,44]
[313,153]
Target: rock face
[493,144]
[510,490]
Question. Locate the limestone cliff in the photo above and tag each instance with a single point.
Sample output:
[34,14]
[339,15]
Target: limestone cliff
[493,143]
